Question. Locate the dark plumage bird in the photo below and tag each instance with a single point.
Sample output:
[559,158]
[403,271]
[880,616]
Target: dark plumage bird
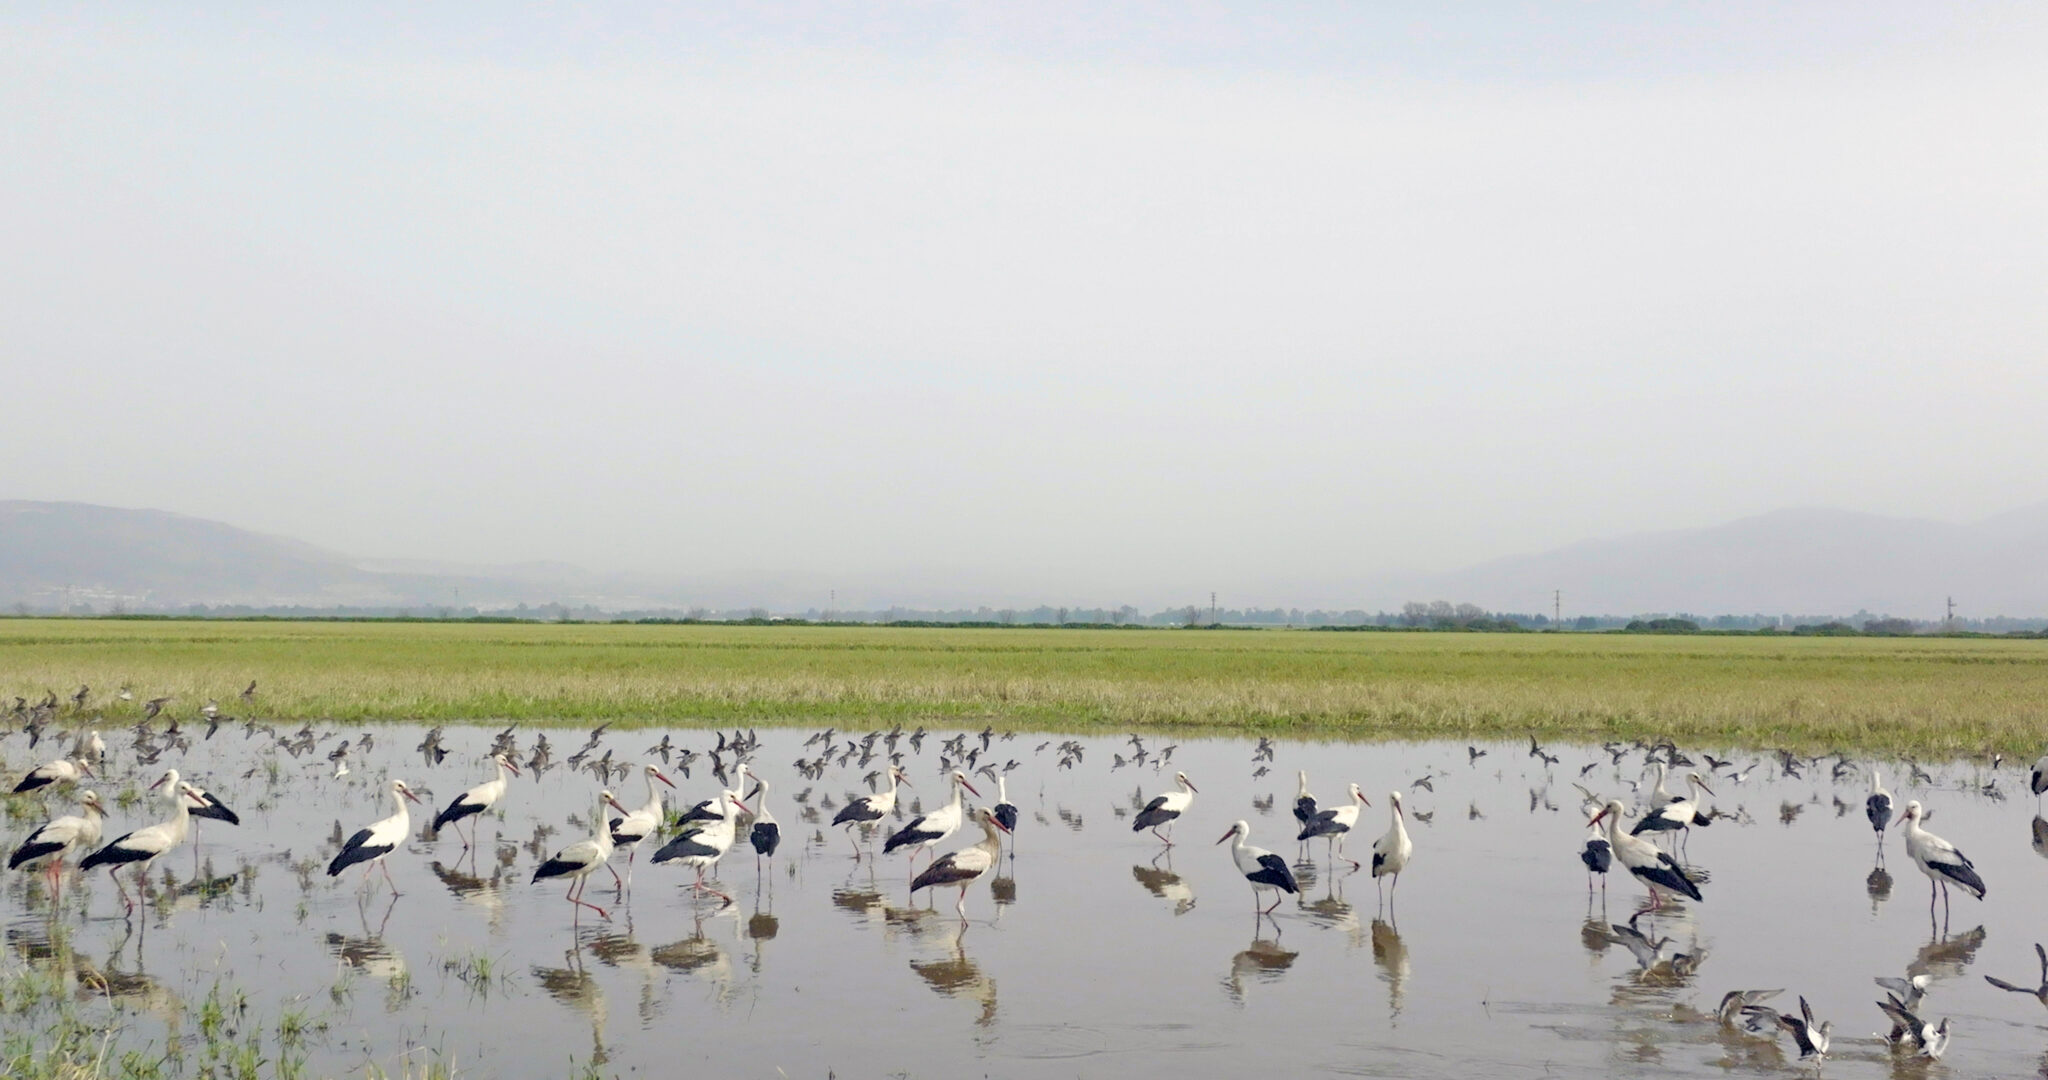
[369,845]
[1265,871]
[2038,993]
[1811,1037]
[1164,808]
[1598,856]
[968,865]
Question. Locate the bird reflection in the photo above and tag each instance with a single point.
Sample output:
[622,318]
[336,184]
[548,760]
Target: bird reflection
[762,927]
[1262,961]
[484,893]
[2039,839]
[1879,886]
[696,955]
[1947,957]
[1004,890]
[1337,913]
[369,955]
[1391,955]
[573,986]
[1163,883]
[1593,934]
[959,976]
[861,900]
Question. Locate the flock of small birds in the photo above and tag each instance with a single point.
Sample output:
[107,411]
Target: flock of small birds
[705,832]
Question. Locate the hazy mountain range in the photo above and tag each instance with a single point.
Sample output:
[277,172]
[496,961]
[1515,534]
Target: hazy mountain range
[59,556]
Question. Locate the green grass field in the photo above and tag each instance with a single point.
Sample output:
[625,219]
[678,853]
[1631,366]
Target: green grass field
[1904,695]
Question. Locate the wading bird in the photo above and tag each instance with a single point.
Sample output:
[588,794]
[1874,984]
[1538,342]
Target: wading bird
[1336,824]
[61,771]
[1939,860]
[475,801]
[1878,808]
[1163,809]
[1391,851]
[702,849]
[578,859]
[1005,811]
[869,809]
[1928,1040]
[143,846]
[1811,1037]
[968,865]
[630,828]
[1598,855]
[1657,871]
[46,847]
[926,831]
[766,835]
[1679,812]
[369,845]
[1266,871]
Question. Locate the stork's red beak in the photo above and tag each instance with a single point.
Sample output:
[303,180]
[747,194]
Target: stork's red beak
[664,779]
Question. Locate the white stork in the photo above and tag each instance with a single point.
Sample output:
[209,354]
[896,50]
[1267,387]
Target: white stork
[926,831]
[1939,860]
[1658,872]
[144,845]
[46,847]
[370,845]
[580,858]
[1677,812]
[1336,824]
[1266,871]
[630,828]
[2037,781]
[1164,808]
[1391,851]
[766,835]
[869,809]
[702,849]
[61,771]
[475,801]
[968,865]
[1878,808]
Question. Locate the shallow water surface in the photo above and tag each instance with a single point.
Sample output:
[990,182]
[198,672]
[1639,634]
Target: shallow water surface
[1097,952]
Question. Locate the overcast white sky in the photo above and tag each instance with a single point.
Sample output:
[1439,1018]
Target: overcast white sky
[1023,302]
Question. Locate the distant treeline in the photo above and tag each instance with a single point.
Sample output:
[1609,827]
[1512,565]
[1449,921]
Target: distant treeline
[1437,617]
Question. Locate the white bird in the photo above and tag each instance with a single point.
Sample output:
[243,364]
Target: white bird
[475,801]
[46,847]
[1931,1040]
[90,747]
[968,865]
[1391,851]
[1336,824]
[143,846]
[2037,781]
[869,809]
[926,831]
[1939,860]
[766,835]
[1878,808]
[630,828]
[1659,795]
[580,858]
[702,849]
[1164,808]
[1677,812]
[370,845]
[61,771]
[1658,872]
[1265,871]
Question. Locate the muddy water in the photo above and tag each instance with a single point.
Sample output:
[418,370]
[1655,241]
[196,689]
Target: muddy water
[1097,953]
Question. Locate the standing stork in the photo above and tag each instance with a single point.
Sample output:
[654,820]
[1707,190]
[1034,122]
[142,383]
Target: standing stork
[474,801]
[1598,855]
[46,847]
[1391,851]
[1678,812]
[144,845]
[205,805]
[1336,824]
[869,809]
[1266,871]
[629,829]
[2037,781]
[370,845]
[1304,803]
[1878,808]
[1939,860]
[926,831]
[1164,808]
[1658,872]
[968,865]
[1006,811]
[576,861]
[702,849]
[766,835]
[61,771]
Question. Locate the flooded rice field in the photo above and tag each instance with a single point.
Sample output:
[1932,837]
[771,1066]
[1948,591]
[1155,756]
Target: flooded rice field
[1095,951]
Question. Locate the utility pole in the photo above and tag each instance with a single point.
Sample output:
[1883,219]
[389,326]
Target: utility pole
[1951,614]
[1212,605]
[1557,608]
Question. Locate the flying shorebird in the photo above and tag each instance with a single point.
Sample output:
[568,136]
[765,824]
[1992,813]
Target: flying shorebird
[1929,1040]
[1811,1037]
[2039,993]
